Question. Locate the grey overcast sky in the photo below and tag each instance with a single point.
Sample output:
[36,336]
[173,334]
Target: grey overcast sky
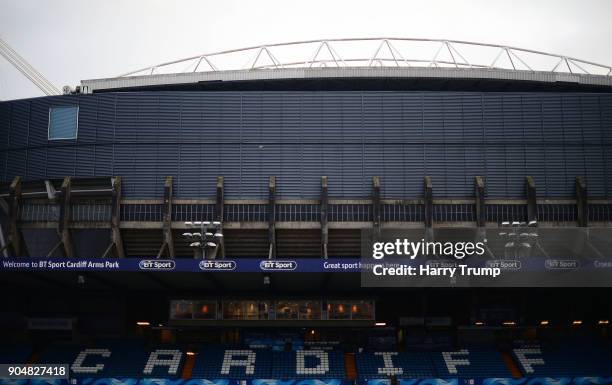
[70,40]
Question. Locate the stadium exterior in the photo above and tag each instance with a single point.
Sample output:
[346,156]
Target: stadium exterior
[295,158]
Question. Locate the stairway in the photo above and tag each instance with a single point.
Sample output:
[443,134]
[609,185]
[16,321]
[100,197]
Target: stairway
[511,364]
[188,367]
[350,367]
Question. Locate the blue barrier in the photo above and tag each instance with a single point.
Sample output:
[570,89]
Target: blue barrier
[382,381]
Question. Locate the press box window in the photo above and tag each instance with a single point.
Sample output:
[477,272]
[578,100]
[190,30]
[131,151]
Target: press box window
[63,122]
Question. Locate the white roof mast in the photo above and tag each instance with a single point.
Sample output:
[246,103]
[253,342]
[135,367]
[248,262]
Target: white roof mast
[27,70]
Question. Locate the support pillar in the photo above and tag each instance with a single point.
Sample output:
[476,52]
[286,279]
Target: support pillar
[272,217]
[15,242]
[168,240]
[64,217]
[428,202]
[323,219]
[582,202]
[116,238]
[219,212]
[376,209]
[479,192]
[532,204]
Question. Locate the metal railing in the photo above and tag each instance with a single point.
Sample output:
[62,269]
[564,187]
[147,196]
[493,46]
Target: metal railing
[378,52]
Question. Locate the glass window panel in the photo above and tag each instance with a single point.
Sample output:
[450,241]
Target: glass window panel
[63,122]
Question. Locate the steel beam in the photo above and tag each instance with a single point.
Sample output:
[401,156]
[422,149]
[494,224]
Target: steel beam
[168,241]
[479,192]
[16,241]
[582,201]
[532,205]
[272,217]
[428,202]
[376,206]
[64,217]
[219,212]
[115,223]
[323,219]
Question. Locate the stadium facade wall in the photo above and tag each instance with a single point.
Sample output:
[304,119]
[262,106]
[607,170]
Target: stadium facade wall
[300,136]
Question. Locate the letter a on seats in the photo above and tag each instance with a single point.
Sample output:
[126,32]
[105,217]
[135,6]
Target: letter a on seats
[243,358]
[171,359]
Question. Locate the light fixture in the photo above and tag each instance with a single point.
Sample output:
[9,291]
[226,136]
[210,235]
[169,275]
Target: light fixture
[217,223]
[188,223]
[577,322]
[544,323]
[380,324]
[211,244]
[190,353]
[143,323]
[479,323]
[603,322]
[188,235]
[509,323]
[218,235]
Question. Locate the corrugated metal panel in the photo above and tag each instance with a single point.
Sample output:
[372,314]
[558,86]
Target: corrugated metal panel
[85,160]
[300,136]
[36,157]
[61,161]
[103,165]
[39,118]
[20,122]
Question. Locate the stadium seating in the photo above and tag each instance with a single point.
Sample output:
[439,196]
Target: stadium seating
[568,359]
[471,362]
[404,364]
[116,359]
[135,359]
[238,364]
[474,362]
[15,354]
[309,363]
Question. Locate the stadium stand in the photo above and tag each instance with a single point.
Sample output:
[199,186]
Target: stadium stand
[17,354]
[308,363]
[133,358]
[471,361]
[213,362]
[570,359]
[403,364]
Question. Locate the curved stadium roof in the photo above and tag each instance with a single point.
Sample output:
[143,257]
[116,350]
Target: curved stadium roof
[407,58]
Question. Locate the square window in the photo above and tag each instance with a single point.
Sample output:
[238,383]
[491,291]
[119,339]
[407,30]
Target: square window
[63,122]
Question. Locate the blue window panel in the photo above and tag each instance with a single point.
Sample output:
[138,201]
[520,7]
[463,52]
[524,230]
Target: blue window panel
[63,122]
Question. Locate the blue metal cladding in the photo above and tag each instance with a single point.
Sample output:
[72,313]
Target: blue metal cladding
[300,136]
